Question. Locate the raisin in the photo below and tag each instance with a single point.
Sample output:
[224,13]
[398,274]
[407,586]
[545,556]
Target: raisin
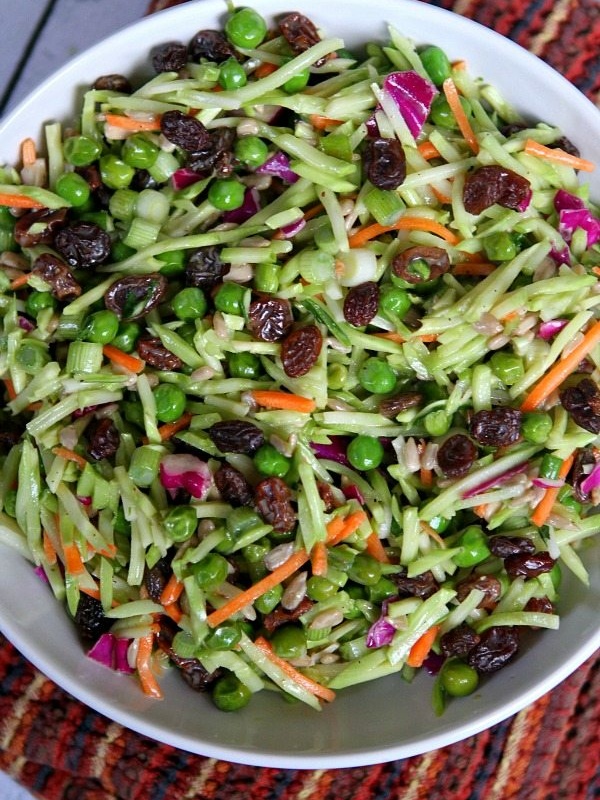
[103,439]
[538,605]
[233,486]
[217,156]
[45,223]
[211,45]
[113,83]
[57,275]
[497,428]
[583,404]
[392,406]
[273,501]
[269,318]
[143,180]
[90,619]
[563,143]
[83,244]
[361,303]
[327,495]
[184,131]
[301,34]
[205,268]
[192,671]
[153,352]
[236,436]
[384,163]
[488,584]
[423,585]
[497,646]
[136,295]
[10,434]
[420,264]
[528,565]
[300,350]
[505,546]
[494,184]
[156,578]
[169,57]
[582,465]
[281,616]
[101,194]
[459,641]
[456,455]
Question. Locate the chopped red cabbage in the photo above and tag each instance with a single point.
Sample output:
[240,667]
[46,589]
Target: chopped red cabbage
[334,451]
[111,652]
[550,328]
[380,633]
[413,95]
[278,165]
[289,231]
[249,208]
[560,256]
[184,177]
[571,218]
[182,471]
[564,200]
[433,663]
[548,483]
[499,479]
[121,647]
[41,573]
[352,492]
[25,324]
[592,481]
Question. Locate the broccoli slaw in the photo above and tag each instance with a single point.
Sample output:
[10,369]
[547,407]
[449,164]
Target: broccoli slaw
[508,324]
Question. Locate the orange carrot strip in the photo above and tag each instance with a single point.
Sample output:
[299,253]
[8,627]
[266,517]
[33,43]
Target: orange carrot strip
[376,549]
[19,282]
[426,528]
[318,559]
[313,211]
[334,526]
[73,561]
[49,549]
[561,370]
[95,593]
[264,69]
[351,523]
[173,611]
[171,428]
[426,476]
[172,591]
[533,148]
[70,455]
[28,153]
[110,551]
[365,235]
[462,121]
[480,510]
[320,122]
[544,507]
[393,336]
[131,124]
[428,150]
[143,663]
[459,64]
[255,591]
[10,388]
[420,649]
[473,269]
[19,201]
[270,398]
[306,683]
[441,197]
[117,356]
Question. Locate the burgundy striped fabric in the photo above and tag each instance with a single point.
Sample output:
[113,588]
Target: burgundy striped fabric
[62,750]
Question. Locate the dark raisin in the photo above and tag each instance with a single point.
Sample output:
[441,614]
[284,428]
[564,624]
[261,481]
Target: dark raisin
[392,406]
[459,641]
[10,434]
[113,83]
[497,428]
[328,496]
[83,244]
[89,618]
[101,194]
[192,671]
[420,264]
[143,180]
[563,143]
[273,501]
[211,45]
[236,436]
[233,486]
[384,163]
[184,131]
[582,466]
[45,223]
[217,156]
[269,318]
[504,546]
[583,404]
[494,184]
[488,584]
[511,128]
[456,455]
[361,303]
[498,645]
[169,57]
[539,605]
[528,565]
[300,33]
[136,295]
[423,585]
[281,616]
[151,350]
[156,578]
[205,268]
[300,350]
[103,439]
[57,275]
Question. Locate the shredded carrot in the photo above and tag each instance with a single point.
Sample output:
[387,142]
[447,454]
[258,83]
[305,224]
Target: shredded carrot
[124,360]
[110,551]
[459,64]
[333,528]
[320,122]
[28,153]
[533,148]
[174,612]
[376,549]
[264,69]
[453,98]
[428,150]
[441,197]
[95,593]
[143,662]
[393,336]
[19,201]
[510,316]
[561,370]
[313,211]
[426,476]
[405,223]
[318,559]
[544,507]
[596,270]
[49,549]
[270,398]
[255,591]
[10,388]
[351,523]
[70,455]
[420,649]
[131,124]
[433,534]
[172,591]
[480,510]
[308,684]
[19,282]
[473,269]
[171,428]
[73,562]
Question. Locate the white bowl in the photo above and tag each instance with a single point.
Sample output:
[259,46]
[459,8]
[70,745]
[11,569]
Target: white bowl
[376,722]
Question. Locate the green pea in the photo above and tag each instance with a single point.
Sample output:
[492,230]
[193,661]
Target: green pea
[225,637]
[508,367]
[127,335]
[10,503]
[394,302]
[536,426]
[266,277]
[441,114]
[245,28]
[458,678]
[365,570]
[37,301]
[100,327]
[319,588]
[342,557]
[473,540]
[210,571]
[365,452]
[115,173]
[139,152]
[74,188]
[229,298]
[499,246]
[232,75]
[170,402]
[376,376]
[251,151]
[226,194]
[383,589]
[189,304]
[240,520]
[174,263]
[269,600]
[32,355]
[439,524]
[297,82]
[254,553]
[269,461]
[436,63]
[119,251]
[244,365]
[289,641]
[180,523]
[81,150]
[230,694]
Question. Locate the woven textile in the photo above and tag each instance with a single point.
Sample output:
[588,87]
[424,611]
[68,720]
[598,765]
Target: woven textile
[62,750]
